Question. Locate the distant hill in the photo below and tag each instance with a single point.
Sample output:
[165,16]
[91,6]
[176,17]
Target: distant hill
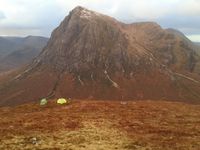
[17,51]
[6,46]
[198,43]
[197,47]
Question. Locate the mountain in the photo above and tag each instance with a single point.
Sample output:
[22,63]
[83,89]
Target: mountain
[5,46]
[198,43]
[17,51]
[193,45]
[94,56]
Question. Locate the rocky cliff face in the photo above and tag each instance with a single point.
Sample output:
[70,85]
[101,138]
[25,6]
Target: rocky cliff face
[87,41]
[94,56]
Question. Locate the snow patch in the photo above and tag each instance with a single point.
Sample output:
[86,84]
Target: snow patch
[79,78]
[108,77]
[85,14]
[88,14]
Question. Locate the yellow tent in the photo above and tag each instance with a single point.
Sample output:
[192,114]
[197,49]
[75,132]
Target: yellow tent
[62,101]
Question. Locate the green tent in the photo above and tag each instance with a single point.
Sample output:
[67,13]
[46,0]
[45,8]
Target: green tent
[62,101]
[43,101]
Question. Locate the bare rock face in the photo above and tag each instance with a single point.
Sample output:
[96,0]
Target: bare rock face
[94,56]
[87,42]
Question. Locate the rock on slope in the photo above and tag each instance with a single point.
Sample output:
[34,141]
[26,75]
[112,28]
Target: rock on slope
[94,56]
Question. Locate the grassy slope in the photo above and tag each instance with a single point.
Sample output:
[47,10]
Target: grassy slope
[101,125]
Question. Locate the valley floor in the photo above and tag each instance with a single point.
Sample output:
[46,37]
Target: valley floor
[101,125]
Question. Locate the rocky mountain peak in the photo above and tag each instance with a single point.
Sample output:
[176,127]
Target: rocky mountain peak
[84,13]
[89,44]
[94,56]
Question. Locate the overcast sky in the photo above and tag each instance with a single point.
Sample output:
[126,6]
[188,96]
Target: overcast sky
[40,17]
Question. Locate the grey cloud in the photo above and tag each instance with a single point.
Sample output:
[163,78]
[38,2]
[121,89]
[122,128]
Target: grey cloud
[43,16]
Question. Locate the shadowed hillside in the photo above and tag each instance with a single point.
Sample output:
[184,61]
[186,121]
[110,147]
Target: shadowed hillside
[17,51]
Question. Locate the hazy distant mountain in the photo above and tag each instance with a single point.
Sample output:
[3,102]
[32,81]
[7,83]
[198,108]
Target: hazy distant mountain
[198,43]
[17,51]
[94,56]
[6,46]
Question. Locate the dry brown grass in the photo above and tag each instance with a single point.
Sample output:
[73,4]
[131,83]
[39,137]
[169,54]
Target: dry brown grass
[90,137]
[101,125]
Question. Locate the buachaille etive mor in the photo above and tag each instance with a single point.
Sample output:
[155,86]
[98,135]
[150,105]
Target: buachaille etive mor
[94,56]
